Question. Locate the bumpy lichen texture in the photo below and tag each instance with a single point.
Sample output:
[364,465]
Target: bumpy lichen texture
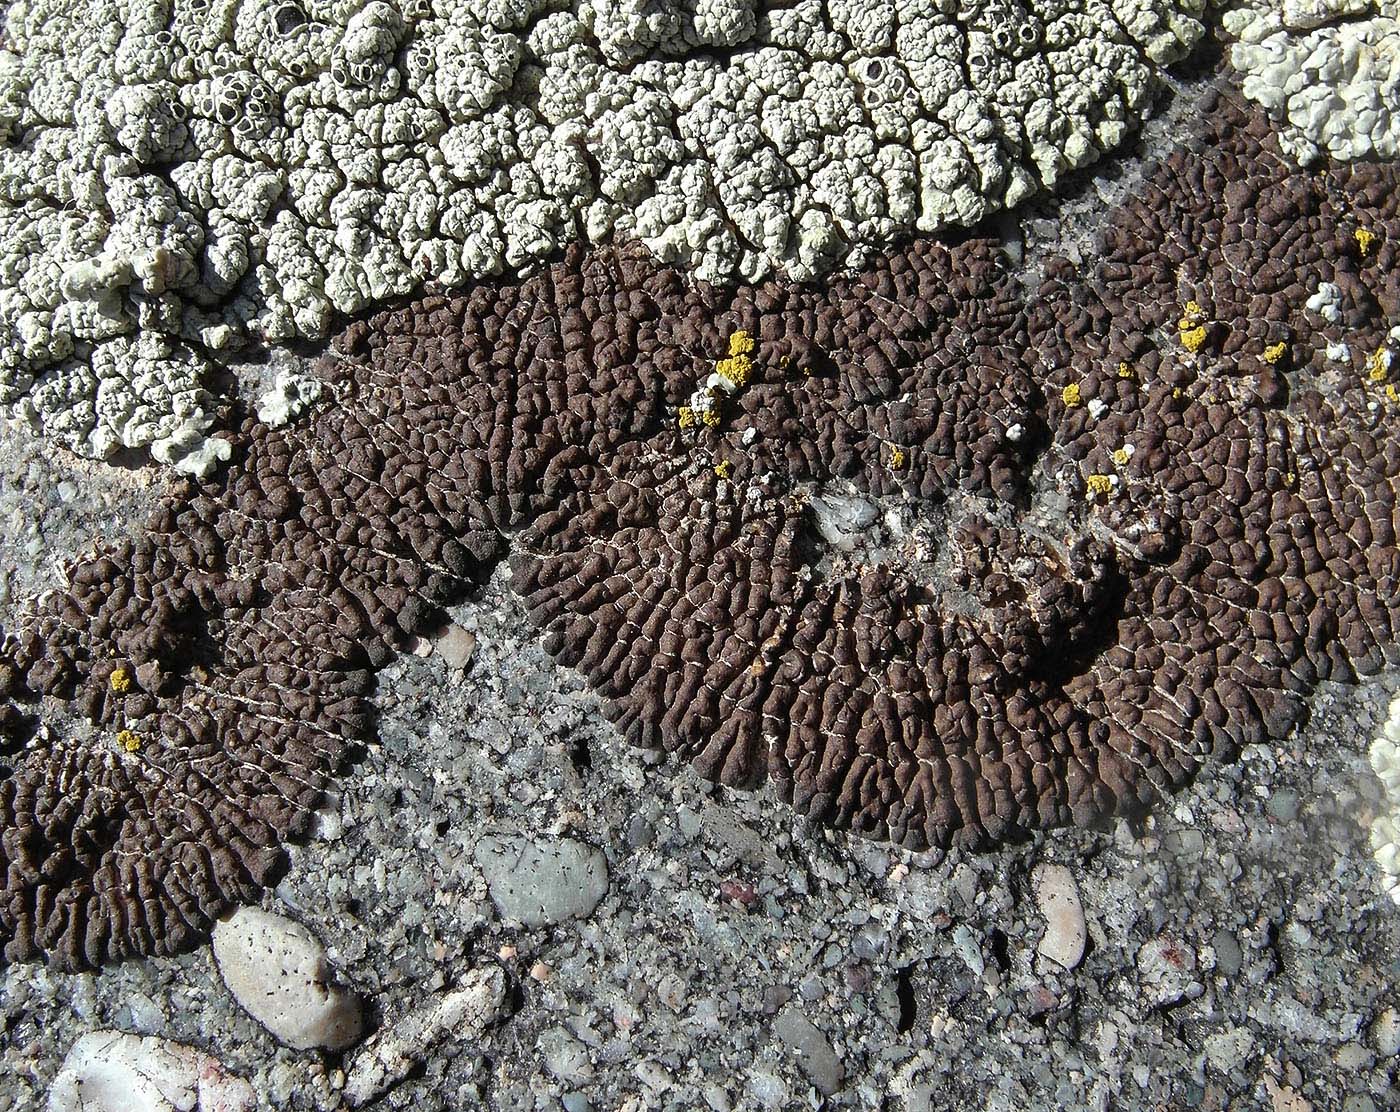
[889,561]
[176,172]
[1329,69]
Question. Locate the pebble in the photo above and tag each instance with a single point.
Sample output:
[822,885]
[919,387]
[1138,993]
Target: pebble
[1057,895]
[1228,955]
[1283,805]
[1167,972]
[112,1071]
[455,645]
[391,1055]
[277,970]
[1385,1033]
[564,1056]
[815,1056]
[969,949]
[540,883]
[1229,1050]
[717,1097]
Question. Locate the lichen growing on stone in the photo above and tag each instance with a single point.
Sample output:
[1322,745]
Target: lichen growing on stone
[178,174]
[953,650]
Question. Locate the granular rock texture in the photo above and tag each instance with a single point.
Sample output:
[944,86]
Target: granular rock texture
[939,568]
[178,174]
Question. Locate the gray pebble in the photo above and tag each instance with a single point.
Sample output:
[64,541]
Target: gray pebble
[639,832]
[815,1055]
[1284,805]
[1228,955]
[542,882]
[564,1056]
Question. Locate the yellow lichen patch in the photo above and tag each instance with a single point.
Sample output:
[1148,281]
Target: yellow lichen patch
[724,469]
[1098,485]
[735,370]
[741,343]
[685,417]
[120,681]
[128,740]
[1192,327]
[1378,365]
[1176,391]
[1391,394]
[1124,371]
[1121,456]
[710,417]
[1070,395]
[1365,240]
[1274,352]
[898,457]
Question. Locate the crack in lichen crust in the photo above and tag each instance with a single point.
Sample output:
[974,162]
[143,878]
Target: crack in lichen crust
[1147,532]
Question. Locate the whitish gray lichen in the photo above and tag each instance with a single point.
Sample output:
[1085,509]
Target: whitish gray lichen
[1327,69]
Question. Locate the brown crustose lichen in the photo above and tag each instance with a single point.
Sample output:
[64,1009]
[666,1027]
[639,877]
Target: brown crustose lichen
[939,566]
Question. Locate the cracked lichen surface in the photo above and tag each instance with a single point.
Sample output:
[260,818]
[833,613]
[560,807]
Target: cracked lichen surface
[178,176]
[956,642]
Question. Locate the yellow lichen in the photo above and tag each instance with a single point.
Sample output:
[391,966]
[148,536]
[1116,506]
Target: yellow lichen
[710,417]
[1176,391]
[1378,365]
[1121,456]
[741,343]
[1365,240]
[898,457]
[1070,395]
[685,417]
[1192,327]
[1124,371]
[1391,393]
[1098,485]
[1193,339]
[128,740]
[724,469]
[120,681]
[735,370]
[1274,352]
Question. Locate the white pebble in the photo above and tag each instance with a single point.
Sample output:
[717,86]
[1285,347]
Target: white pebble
[277,970]
[1058,898]
[389,1057]
[111,1071]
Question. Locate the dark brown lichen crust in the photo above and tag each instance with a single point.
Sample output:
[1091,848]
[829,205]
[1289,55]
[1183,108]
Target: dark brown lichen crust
[940,568]
[1255,516]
